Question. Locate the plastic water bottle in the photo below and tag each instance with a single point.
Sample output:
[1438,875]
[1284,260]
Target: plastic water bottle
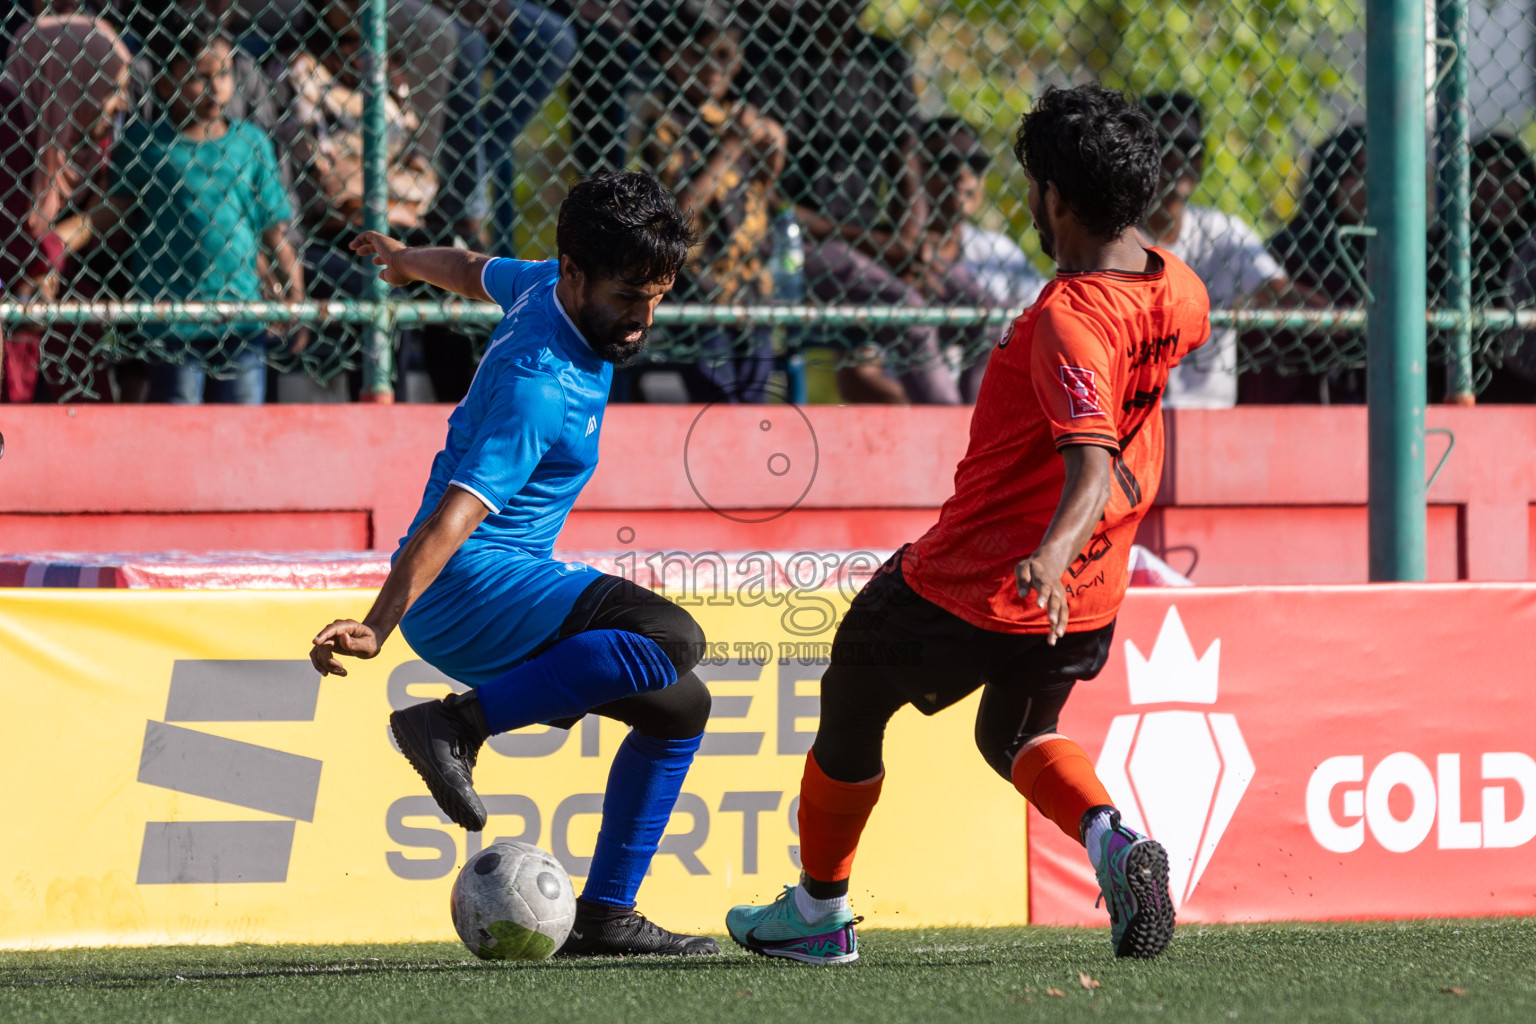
[788,269]
[788,262]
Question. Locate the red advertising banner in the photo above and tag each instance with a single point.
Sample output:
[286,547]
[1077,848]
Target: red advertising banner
[1314,753]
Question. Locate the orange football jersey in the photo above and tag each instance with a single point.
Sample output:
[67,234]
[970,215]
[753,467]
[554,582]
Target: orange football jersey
[1086,364]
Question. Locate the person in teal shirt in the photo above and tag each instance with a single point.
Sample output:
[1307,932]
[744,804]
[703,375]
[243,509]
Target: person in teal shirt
[204,203]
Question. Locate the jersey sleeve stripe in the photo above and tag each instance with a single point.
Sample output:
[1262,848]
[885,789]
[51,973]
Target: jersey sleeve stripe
[1102,440]
[485,271]
[487,502]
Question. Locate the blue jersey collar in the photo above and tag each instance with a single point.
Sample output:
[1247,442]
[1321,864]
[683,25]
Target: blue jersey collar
[580,349]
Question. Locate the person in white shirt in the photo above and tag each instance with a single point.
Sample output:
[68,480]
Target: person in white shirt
[1000,266]
[1227,254]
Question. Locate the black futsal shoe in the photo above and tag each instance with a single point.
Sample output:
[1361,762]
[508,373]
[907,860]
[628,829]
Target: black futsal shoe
[441,739]
[603,930]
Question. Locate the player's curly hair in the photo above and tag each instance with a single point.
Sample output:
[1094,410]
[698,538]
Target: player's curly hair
[625,225]
[1098,148]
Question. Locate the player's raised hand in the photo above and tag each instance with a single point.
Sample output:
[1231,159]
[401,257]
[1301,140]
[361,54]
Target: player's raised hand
[385,252]
[344,636]
[1033,576]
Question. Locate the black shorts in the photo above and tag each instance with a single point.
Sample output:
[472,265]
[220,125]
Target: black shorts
[935,658]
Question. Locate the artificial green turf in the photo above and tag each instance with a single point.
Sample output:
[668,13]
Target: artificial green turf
[1442,971]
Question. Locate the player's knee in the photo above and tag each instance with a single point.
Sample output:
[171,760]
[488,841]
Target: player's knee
[679,636]
[1000,743]
[679,712]
[991,750]
[691,713]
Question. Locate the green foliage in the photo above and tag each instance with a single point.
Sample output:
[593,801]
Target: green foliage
[1274,77]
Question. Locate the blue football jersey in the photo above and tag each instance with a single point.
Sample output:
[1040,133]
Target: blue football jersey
[524,442]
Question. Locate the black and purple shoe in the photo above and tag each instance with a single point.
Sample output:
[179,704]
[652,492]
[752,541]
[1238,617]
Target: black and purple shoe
[1133,881]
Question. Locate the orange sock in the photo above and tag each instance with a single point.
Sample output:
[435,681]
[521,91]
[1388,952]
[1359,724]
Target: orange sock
[832,817]
[1056,776]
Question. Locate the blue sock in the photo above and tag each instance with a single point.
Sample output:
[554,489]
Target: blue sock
[581,672]
[643,785]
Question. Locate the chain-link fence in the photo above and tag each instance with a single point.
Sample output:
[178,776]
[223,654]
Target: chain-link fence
[182,179]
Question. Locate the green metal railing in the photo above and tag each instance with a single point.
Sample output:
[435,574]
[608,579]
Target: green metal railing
[1395,326]
[378,361]
[1455,184]
[685,314]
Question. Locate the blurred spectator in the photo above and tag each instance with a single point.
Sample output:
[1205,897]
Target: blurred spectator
[324,125]
[846,99]
[598,100]
[423,48]
[968,265]
[1310,247]
[956,190]
[1518,348]
[526,51]
[1329,264]
[1503,212]
[1225,252]
[323,130]
[1503,215]
[207,216]
[721,158]
[17,15]
[61,93]
[254,99]
[521,51]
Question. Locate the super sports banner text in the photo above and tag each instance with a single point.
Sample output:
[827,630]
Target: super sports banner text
[188,777]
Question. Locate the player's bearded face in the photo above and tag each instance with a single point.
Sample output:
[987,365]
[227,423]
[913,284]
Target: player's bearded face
[615,317]
[614,339]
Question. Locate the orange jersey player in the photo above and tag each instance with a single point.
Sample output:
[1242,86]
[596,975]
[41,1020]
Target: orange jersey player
[1015,590]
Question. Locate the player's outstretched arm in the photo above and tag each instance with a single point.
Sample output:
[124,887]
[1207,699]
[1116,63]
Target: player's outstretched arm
[422,558]
[1083,497]
[454,270]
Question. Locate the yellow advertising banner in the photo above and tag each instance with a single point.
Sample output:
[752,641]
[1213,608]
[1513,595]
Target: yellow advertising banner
[177,772]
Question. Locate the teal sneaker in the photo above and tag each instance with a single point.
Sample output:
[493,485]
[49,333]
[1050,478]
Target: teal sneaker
[779,930]
[1133,881]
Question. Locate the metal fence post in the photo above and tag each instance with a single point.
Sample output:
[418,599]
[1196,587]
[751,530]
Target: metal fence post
[1395,327]
[378,350]
[1455,161]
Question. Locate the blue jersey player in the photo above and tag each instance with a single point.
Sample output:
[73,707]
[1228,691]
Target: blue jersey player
[475,587]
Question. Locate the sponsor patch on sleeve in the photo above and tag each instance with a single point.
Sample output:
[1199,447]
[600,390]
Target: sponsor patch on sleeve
[1081,391]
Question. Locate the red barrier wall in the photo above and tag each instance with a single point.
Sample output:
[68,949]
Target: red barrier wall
[1249,495]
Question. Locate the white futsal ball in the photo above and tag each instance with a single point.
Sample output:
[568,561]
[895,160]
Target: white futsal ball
[513,901]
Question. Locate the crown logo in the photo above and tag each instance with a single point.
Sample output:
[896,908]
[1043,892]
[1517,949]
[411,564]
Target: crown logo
[1172,673]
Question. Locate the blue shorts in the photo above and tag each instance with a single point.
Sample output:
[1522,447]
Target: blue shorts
[490,609]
